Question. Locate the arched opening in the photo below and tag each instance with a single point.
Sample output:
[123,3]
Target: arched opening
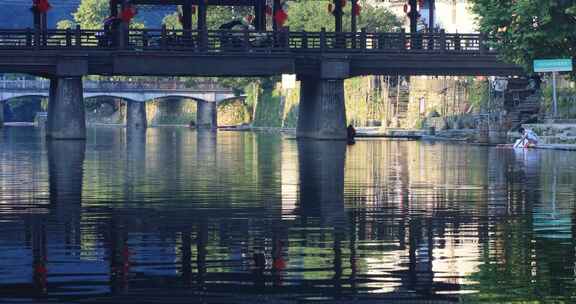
[24,108]
[171,110]
[105,109]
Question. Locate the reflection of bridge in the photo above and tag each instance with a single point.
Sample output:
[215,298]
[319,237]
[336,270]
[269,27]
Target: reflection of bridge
[130,90]
[322,60]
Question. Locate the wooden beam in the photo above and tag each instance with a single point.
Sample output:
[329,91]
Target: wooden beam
[187,15]
[202,10]
[353,21]
[113,8]
[338,15]
[431,17]
[276,6]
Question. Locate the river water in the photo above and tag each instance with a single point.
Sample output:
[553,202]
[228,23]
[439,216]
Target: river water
[176,216]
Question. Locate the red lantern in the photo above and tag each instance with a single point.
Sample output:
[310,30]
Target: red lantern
[268,10]
[420,4]
[42,6]
[193,9]
[356,9]
[406,8]
[128,13]
[343,3]
[181,18]
[280,17]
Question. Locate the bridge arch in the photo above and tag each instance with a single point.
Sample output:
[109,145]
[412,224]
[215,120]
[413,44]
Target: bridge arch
[7,96]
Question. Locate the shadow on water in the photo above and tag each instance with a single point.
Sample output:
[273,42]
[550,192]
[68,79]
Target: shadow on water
[173,215]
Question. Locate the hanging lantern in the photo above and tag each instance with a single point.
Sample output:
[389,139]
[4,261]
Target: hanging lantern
[41,6]
[180,18]
[268,10]
[193,9]
[128,13]
[343,3]
[421,4]
[406,8]
[330,8]
[248,19]
[280,17]
[356,9]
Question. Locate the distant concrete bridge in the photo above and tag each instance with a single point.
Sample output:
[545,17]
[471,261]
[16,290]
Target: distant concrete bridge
[139,91]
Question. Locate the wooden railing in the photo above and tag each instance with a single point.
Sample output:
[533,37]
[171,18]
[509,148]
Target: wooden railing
[246,41]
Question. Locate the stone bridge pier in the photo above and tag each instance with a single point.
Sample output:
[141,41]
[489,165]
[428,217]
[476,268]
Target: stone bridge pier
[206,115]
[66,117]
[136,115]
[322,110]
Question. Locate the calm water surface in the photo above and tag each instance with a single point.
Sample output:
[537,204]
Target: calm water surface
[176,216]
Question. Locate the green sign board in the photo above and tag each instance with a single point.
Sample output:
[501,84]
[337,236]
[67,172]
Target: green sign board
[553,65]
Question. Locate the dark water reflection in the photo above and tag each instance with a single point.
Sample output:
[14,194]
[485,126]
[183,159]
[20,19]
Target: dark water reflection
[172,215]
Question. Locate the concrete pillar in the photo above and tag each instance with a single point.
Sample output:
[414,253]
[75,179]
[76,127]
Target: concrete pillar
[1,114]
[66,118]
[322,110]
[136,115]
[206,115]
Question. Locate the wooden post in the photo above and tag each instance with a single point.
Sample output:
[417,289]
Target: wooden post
[432,15]
[246,40]
[338,16]
[403,40]
[68,38]
[413,14]
[276,6]
[187,18]
[164,37]
[113,8]
[482,43]
[78,36]
[322,39]
[202,16]
[144,39]
[29,37]
[442,40]
[286,37]
[363,42]
[353,21]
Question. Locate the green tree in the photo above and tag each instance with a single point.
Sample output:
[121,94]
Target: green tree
[528,29]
[313,15]
[91,14]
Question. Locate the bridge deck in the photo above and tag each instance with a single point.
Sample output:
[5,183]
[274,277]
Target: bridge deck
[248,53]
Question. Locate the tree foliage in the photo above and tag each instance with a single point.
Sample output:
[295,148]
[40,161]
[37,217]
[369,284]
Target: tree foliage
[529,29]
[307,15]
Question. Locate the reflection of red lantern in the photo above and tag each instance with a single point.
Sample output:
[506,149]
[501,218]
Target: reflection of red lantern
[343,3]
[268,10]
[280,17]
[330,8]
[420,4]
[193,9]
[356,9]
[42,6]
[405,8]
[128,13]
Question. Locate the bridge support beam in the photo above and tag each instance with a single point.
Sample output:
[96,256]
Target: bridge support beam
[322,110]
[136,115]
[66,117]
[206,115]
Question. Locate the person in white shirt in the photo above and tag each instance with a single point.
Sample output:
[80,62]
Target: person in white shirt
[529,139]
